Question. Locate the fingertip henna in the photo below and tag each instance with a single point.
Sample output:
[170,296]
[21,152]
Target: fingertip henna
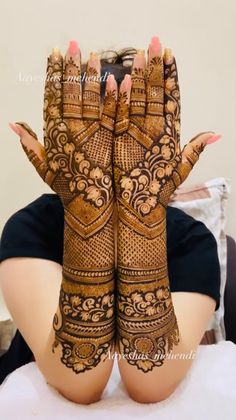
[91,92]
[168,56]
[56,54]
[27,128]
[147,172]
[111,86]
[138,91]
[79,154]
[72,89]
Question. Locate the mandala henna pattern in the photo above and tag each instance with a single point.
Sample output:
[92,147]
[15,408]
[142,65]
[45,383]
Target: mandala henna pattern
[78,167]
[147,325]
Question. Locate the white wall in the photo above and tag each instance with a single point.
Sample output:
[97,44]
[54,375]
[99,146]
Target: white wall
[202,34]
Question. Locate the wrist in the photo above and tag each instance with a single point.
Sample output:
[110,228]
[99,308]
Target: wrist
[141,251]
[89,239]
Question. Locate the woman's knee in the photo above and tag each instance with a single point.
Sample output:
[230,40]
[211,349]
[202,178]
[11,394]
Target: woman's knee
[73,390]
[90,397]
[80,388]
[146,396]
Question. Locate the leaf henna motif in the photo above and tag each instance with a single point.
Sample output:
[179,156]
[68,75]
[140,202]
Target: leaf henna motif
[147,326]
[78,145]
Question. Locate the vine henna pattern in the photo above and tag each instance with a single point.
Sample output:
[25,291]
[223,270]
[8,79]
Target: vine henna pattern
[148,166]
[76,162]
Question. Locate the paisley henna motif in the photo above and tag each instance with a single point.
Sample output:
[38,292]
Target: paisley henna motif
[84,182]
[77,164]
[147,325]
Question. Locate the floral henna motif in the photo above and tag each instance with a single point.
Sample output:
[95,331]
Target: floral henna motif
[85,329]
[147,326]
[89,308]
[78,146]
[142,187]
[65,150]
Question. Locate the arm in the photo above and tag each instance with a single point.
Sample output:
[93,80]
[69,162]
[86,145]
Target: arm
[150,102]
[76,162]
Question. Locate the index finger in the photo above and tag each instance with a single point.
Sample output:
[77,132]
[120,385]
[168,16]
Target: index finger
[53,87]
[172,96]
[72,100]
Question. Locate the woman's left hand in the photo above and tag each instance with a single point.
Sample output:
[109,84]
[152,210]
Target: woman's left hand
[148,161]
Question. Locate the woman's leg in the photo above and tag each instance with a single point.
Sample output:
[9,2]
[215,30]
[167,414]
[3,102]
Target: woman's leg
[193,312]
[31,289]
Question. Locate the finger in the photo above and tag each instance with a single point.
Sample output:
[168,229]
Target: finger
[138,90]
[72,93]
[110,102]
[172,97]
[91,92]
[53,88]
[191,153]
[155,89]
[33,149]
[122,115]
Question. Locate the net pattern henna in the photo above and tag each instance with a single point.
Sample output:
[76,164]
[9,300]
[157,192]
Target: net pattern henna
[77,165]
[147,325]
[137,251]
[92,252]
[96,148]
[128,152]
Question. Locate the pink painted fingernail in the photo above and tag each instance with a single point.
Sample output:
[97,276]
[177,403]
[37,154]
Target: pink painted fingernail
[94,61]
[214,138]
[154,48]
[111,85]
[155,42]
[16,128]
[126,84]
[73,48]
[111,82]
[139,60]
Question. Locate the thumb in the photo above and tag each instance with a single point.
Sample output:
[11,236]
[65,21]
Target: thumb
[192,151]
[33,149]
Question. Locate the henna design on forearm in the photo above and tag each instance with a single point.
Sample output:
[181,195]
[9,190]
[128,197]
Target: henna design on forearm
[147,325]
[77,164]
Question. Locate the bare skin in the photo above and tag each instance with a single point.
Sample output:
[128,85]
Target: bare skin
[36,280]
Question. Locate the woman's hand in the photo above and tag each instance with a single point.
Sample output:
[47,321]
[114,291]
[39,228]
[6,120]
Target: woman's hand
[76,160]
[148,160]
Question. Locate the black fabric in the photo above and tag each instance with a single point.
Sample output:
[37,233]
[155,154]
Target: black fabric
[17,355]
[37,231]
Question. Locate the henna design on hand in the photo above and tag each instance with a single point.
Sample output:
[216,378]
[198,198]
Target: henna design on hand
[76,162]
[148,166]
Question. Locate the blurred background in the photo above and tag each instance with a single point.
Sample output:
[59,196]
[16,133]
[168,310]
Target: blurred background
[202,35]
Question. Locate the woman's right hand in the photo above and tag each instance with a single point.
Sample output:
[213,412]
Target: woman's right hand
[76,159]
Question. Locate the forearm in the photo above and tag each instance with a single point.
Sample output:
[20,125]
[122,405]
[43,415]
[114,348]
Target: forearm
[146,319]
[84,323]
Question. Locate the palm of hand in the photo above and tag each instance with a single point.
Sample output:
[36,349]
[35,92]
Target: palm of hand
[76,160]
[148,162]
[78,151]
